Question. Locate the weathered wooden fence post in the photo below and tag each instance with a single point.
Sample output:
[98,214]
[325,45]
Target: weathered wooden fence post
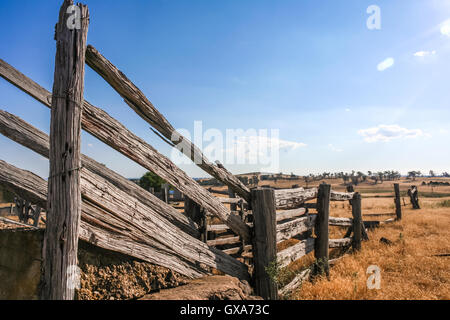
[193,210]
[64,195]
[357,221]
[414,196]
[231,194]
[264,241]
[198,215]
[204,227]
[398,205]
[321,230]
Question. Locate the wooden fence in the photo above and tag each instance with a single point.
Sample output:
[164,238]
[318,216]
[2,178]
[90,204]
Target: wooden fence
[290,211]
[100,206]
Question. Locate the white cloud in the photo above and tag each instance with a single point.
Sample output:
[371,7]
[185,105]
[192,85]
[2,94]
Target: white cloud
[347,110]
[333,148]
[443,131]
[445,28]
[386,64]
[423,54]
[387,133]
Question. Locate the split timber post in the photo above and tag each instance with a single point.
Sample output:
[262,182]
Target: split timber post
[321,230]
[357,221]
[60,247]
[398,205]
[414,196]
[264,241]
[204,227]
[365,236]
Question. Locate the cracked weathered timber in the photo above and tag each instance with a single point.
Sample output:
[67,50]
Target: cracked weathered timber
[113,220]
[293,198]
[340,222]
[264,241]
[292,213]
[295,227]
[25,134]
[145,109]
[295,252]
[60,245]
[338,243]
[110,131]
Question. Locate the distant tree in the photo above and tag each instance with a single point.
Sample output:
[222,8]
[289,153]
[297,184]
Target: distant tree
[361,176]
[380,176]
[396,174]
[413,174]
[151,180]
[446,175]
[306,180]
[432,174]
[255,180]
[375,179]
[345,177]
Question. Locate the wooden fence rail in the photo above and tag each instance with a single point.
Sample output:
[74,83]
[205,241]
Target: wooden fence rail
[294,198]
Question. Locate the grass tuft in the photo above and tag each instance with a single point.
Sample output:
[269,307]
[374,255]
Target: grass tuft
[444,204]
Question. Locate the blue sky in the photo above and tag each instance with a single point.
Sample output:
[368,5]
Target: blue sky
[308,68]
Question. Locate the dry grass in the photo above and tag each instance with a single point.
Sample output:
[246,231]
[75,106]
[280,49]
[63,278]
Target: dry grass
[410,267]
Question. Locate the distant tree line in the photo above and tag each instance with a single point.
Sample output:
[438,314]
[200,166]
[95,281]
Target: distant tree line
[356,177]
[353,177]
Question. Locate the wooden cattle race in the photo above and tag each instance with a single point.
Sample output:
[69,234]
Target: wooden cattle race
[86,200]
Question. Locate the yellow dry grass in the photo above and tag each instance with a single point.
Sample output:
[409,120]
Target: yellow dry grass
[410,267]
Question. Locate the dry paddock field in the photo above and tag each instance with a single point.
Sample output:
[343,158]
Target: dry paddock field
[415,266]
